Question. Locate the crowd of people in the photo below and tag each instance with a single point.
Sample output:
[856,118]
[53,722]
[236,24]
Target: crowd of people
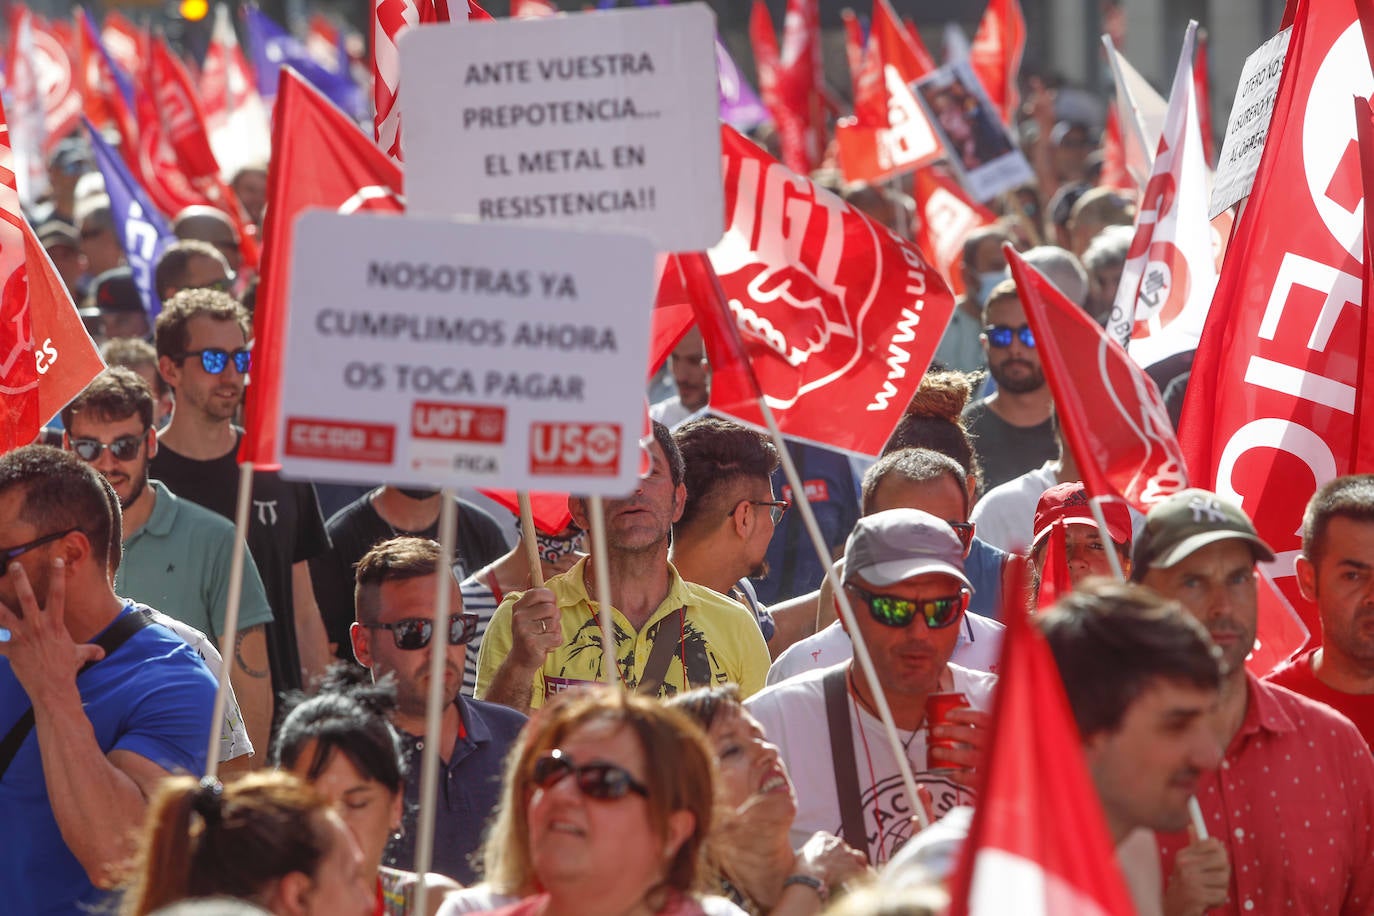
[729,752]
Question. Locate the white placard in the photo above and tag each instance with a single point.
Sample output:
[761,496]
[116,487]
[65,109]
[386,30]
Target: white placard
[608,118]
[448,353]
[1248,125]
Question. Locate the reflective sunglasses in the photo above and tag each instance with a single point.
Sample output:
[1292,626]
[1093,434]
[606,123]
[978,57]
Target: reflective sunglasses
[215,360]
[962,530]
[414,632]
[602,781]
[14,553]
[1000,335]
[776,507]
[125,448]
[892,611]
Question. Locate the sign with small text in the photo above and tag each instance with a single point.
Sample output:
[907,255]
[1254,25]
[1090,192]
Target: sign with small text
[449,353]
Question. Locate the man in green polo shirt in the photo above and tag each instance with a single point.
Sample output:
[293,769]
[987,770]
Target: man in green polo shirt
[176,554]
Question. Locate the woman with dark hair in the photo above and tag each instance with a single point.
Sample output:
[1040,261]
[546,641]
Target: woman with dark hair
[342,742]
[754,864]
[606,807]
[267,838]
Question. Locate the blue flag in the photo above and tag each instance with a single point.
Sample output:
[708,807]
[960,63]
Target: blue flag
[273,48]
[143,231]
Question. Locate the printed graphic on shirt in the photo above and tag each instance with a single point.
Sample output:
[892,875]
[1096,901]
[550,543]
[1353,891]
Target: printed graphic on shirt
[691,657]
[888,813]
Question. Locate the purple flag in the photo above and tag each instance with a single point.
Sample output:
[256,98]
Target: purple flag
[739,104]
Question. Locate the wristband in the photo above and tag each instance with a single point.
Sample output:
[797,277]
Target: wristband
[816,884]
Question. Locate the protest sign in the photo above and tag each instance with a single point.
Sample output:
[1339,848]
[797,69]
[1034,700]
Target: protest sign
[1248,125]
[607,119]
[465,354]
[978,145]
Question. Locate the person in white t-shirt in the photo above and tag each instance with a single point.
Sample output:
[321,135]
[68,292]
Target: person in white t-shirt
[904,577]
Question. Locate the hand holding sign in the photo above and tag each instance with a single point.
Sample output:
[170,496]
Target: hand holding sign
[535,629]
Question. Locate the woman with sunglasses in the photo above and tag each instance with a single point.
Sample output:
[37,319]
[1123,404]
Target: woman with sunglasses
[752,858]
[267,838]
[342,743]
[607,804]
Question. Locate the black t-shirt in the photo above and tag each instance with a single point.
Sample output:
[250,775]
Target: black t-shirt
[357,528]
[1007,451]
[284,528]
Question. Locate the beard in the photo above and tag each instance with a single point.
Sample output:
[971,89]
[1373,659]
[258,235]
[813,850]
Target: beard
[140,484]
[1033,380]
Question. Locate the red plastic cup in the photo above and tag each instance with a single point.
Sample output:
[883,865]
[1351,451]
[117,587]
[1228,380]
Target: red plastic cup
[938,707]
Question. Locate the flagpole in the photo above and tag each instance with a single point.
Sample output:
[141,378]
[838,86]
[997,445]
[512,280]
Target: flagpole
[601,576]
[1095,504]
[435,703]
[229,633]
[528,536]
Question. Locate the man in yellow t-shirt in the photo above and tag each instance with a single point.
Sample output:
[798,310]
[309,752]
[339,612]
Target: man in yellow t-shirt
[548,639]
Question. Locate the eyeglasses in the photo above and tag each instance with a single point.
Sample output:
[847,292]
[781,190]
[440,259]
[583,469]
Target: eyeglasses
[1000,335]
[776,507]
[125,448]
[892,611]
[414,632]
[215,360]
[963,530]
[602,781]
[14,553]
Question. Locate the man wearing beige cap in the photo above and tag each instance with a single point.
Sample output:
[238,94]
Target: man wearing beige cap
[1293,799]
[904,576]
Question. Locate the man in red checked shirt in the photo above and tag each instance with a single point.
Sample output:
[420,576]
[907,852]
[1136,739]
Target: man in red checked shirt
[1293,799]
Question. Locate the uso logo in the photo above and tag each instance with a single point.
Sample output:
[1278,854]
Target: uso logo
[575,449]
[369,443]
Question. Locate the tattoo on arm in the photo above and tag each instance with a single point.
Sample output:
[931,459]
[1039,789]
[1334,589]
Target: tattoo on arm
[238,655]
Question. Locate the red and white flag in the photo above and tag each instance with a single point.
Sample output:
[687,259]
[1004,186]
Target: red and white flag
[1271,411]
[1110,412]
[236,119]
[944,218]
[103,103]
[790,80]
[320,159]
[126,42]
[178,108]
[155,163]
[996,54]
[839,316]
[53,49]
[26,133]
[1169,275]
[46,356]
[322,43]
[1039,844]
[1141,113]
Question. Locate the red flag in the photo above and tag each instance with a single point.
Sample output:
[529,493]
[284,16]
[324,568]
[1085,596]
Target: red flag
[66,357]
[1202,89]
[853,47]
[944,218]
[54,45]
[1120,435]
[389,19]
[236,120]
[1039,843]
[790,80]
[1115,174]
[1362,461]
[1055,581]
[1270,410]
[320,159]
[155,163]
[996,54]
[126,42]
[869,77]
[839,316]
[902,49]
[178,106]
[549,510]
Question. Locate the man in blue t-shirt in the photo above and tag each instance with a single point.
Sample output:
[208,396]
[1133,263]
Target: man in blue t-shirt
[117,703]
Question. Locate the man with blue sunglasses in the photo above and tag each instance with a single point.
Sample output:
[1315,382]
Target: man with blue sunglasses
[1011,427]
[203,350]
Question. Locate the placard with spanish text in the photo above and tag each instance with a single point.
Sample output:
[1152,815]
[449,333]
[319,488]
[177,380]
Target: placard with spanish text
[446,353]
[604,119]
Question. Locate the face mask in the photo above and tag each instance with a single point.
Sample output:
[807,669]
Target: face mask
[987,282]
[416,492]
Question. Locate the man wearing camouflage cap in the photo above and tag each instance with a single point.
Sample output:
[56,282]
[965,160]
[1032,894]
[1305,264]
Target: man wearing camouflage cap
[1293,799]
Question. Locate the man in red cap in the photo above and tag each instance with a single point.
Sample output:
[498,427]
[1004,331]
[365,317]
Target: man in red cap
[1083,551]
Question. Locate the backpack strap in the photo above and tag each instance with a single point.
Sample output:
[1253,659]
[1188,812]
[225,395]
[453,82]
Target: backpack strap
[842,752]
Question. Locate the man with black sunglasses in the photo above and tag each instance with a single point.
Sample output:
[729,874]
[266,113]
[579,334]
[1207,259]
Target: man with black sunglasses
[904,576]
[176,554]
[203,353]
[1011,427]
[396,587]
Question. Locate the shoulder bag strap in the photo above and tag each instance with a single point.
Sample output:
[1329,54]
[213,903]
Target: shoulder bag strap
[842,752]
[656,669]
[115,635]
